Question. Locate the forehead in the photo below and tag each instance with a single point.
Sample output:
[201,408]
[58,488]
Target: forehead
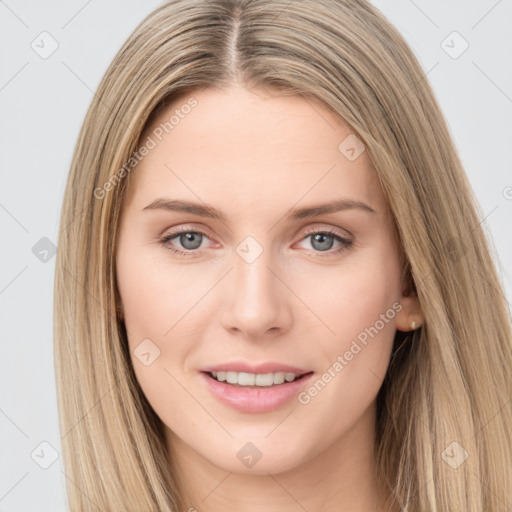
[251,147]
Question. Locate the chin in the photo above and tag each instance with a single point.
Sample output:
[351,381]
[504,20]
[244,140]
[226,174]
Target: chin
[259,456]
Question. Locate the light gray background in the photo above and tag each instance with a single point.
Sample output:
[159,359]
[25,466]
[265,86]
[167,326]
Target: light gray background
[43,103]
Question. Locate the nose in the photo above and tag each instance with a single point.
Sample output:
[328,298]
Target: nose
[258,305]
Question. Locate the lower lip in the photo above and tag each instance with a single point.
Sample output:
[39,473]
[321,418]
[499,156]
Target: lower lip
[252,399]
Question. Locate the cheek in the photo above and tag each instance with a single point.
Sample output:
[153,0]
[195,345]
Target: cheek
[161,308]
[352,297]
[156,295]
[152,305]
[361,311]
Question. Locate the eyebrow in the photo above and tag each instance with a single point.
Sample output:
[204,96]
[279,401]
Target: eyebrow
[204,210]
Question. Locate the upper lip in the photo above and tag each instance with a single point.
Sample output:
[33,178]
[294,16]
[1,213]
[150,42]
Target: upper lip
[267,367]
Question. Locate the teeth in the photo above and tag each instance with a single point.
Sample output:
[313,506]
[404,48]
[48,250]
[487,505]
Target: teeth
[254,379]
[231,378]
[279,377]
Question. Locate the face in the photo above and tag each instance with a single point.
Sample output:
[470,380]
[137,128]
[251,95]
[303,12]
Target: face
[226,267]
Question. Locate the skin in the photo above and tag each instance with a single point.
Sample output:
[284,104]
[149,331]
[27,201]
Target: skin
[255,155]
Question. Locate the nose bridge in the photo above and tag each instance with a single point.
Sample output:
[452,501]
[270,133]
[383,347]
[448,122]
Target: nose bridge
[257,301]
[254,282]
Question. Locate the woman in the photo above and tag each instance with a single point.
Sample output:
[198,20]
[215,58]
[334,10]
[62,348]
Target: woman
[273,290]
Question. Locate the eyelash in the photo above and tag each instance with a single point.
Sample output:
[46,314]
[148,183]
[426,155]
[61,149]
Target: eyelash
[345,243]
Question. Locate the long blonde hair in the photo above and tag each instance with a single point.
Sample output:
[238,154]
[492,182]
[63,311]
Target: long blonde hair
[448,389]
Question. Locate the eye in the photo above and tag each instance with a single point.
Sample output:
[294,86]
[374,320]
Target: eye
[191,240]
[323,241]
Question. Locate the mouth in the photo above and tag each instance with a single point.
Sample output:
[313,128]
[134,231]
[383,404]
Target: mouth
[256,380]
[249,392]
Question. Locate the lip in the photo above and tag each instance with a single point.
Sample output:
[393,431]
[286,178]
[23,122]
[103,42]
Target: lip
[255,399]
[267,367]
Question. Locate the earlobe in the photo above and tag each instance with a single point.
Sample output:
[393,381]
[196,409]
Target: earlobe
[409,318]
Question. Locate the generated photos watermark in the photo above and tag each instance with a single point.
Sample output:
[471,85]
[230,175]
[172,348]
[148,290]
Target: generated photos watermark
[143,150]
[342,360]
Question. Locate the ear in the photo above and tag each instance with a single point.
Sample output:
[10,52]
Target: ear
[411,308]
